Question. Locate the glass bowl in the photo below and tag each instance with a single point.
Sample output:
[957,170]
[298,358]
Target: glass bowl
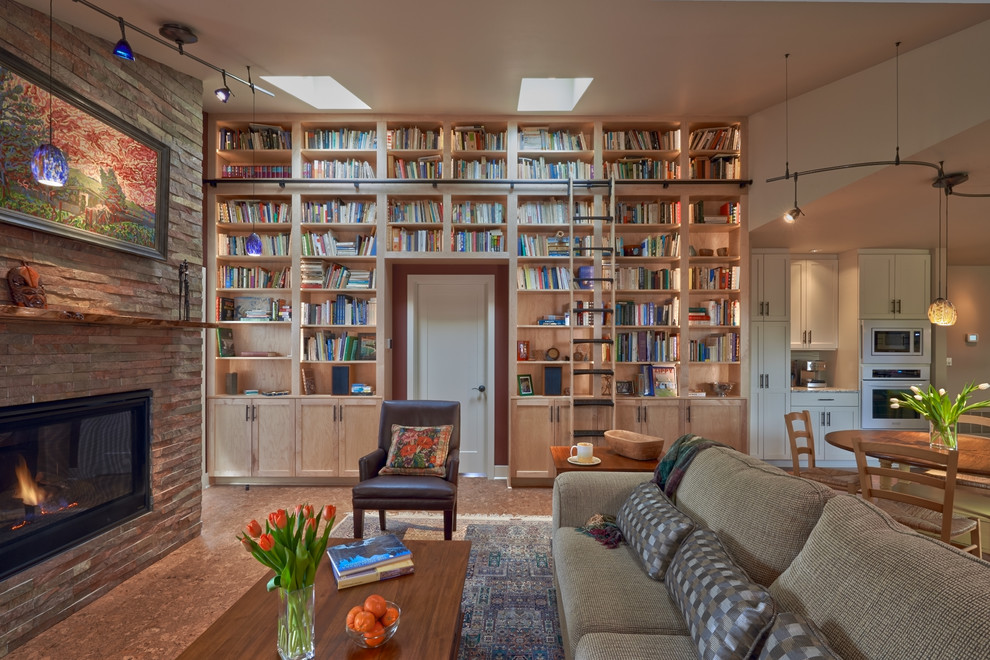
[364,641]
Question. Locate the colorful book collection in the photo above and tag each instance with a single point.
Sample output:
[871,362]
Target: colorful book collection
[314,275]
[728,213]
[479,169]
[478,241]
[628,312]
[340,138]
[253,211]
[643,279]
[253,308]
[415,240]
[540,168]
[251,277]
[332,347]
[369,560]
[341,310]
[701,278]
[417,211]
[478,213]
[719,138]
[648,213]
[532,278]
[413,137]
[256,136]
[715,348]
[350,168]
[550,212]
[256,172]
[636,140]
[714,167]
[329,245]
[338,211]
[590,318]
[537,138]
[647,346]
[476,138]
[272,245]
[657,245]
[716,312]
[642,168]
[425,167]
[542,245]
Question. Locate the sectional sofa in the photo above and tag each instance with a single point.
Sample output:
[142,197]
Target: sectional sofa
[752,562]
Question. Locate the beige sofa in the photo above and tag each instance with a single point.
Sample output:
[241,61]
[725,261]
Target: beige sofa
[815,573]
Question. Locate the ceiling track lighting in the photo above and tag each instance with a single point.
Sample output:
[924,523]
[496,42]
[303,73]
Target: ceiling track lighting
[49,167]
[122,49]
[179,36]
[224,93]
[795,212]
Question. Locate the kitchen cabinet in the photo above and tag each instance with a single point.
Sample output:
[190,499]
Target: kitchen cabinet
[717,418]
[537,424]
[830,411]
[770,389]
[661,417]
[770,286]
[894,285]
[814,304]
[334,434]
[252,437]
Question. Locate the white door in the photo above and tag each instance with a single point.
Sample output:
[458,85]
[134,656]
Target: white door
[451,356]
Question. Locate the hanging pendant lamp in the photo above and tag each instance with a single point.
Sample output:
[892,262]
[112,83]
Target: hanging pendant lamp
[49,166]
[941,311]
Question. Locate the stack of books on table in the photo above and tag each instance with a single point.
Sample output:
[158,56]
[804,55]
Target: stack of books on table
[369,560]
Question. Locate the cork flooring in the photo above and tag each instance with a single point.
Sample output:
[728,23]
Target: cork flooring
[160,611]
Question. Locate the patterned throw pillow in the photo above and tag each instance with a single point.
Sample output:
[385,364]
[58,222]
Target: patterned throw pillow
[793,637]
[418,451]
[653,527]
[726,612]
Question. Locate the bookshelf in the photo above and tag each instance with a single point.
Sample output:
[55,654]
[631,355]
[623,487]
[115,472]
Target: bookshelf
[360,193]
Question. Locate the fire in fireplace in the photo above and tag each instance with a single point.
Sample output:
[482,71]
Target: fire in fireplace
[70,470]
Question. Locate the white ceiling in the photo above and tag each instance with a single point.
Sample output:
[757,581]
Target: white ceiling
[647,57]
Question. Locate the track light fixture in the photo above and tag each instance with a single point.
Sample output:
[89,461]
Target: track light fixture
[224,93]
[123,49]
[795,212]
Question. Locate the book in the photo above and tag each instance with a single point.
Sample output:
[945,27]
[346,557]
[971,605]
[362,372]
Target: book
[364,554]
[225,342]
[377,574]
[225,309]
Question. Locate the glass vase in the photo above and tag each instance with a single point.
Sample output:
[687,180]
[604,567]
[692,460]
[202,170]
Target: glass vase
[943,436]
[296,610]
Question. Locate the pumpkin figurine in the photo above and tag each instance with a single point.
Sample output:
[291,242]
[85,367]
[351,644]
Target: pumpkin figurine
[25,287]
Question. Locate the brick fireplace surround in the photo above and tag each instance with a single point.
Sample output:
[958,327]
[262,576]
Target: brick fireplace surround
[45,360]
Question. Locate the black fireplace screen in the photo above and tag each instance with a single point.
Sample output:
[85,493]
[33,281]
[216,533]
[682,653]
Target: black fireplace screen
[70,470]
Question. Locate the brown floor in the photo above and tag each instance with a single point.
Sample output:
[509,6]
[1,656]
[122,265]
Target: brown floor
[160,611]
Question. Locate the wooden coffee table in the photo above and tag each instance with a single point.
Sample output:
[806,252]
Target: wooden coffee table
[611,462]
[430,600]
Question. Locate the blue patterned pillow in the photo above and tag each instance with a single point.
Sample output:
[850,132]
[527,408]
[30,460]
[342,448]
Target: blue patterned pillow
[793,637]
[653,527]
[726,612]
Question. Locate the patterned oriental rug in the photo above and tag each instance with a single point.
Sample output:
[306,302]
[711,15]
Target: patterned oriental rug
[509,604]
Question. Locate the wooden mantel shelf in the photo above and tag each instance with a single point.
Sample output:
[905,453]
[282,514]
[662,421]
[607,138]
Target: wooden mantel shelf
[13,313]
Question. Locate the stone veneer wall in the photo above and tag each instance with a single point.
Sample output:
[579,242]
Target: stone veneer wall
[42,361]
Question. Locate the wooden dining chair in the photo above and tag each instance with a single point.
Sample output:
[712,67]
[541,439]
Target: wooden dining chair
[918,498]
[803,442]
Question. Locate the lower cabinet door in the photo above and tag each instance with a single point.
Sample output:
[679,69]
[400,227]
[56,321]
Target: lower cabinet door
[231,430]
[357,424]
[317,446]
[275,437]
[534,429]
[723,420]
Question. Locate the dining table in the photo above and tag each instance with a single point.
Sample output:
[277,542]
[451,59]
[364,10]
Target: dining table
[974,451]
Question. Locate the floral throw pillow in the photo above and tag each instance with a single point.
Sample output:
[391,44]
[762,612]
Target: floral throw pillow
[418,451]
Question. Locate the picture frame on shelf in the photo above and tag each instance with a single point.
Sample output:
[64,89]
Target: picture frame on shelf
[117,192]
[624,387]
[525,385]
[225,343]
[522,350]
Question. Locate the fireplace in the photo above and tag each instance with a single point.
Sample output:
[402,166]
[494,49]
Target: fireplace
[70,470]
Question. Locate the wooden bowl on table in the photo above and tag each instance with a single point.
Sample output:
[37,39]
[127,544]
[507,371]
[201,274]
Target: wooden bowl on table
[634,445]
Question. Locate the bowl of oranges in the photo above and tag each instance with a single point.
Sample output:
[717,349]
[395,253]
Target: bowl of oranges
[373,622]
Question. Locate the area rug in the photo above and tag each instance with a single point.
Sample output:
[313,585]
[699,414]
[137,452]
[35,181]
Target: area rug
[509,603]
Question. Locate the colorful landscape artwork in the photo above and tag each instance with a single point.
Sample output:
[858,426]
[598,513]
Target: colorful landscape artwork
[116,194]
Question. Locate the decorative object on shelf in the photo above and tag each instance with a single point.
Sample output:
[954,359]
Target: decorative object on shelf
[292,545]
[522,350]
[941,311]
[941,413]
[25,287]
[606,385]
[578,356]
[48,164]
[623,387]
[721,389]
[633,445]
[308,382]
[127,207]
[551,354]
[525,385]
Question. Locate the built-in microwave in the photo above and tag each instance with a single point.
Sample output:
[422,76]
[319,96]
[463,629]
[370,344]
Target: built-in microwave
[896,342]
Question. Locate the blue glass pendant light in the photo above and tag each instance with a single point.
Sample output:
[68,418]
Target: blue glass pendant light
[253,245]
[123,49]
[48,164]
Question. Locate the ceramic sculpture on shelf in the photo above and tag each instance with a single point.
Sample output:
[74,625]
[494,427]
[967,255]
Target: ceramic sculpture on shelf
[25,287]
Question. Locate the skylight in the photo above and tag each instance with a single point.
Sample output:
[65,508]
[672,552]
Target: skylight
[321,92]
[551,94]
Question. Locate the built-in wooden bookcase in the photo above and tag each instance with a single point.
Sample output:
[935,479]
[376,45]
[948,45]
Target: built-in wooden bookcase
[479,151]
[641,151]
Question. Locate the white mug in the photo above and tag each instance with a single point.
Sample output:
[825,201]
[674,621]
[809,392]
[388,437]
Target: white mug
[584,452]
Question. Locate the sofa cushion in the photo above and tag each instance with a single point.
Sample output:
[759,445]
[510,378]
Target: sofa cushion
[878,590]
[626,646]
[761,514]
[605,590]
[652,527]
[726,612]
[418,450]
[792,637]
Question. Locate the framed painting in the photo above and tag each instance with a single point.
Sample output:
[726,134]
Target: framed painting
[117,192]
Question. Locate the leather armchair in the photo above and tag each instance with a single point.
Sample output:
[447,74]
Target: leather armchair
[404,492]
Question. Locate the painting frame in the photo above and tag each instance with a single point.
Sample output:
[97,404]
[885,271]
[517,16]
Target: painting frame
[126,217]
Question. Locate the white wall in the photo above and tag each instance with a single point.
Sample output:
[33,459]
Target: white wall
[968,287]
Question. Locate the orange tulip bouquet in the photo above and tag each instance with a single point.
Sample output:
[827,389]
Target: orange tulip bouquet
[292,545]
